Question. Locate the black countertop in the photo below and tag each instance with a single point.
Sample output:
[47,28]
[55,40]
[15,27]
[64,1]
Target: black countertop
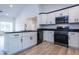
[69,30]
[44,29]
[22,31]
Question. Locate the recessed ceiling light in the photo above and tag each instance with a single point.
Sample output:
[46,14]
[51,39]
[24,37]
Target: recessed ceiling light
[7,14]
[11,6]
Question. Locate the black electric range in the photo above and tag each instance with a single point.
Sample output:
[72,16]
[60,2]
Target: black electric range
[61,36]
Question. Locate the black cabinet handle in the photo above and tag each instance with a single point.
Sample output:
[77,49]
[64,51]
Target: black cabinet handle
[30,38]
[16,35]
[21,40]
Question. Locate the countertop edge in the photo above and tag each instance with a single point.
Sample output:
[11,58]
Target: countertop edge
[70,30]
[22,31]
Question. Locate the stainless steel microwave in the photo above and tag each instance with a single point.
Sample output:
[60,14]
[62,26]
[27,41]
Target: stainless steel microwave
[62,19]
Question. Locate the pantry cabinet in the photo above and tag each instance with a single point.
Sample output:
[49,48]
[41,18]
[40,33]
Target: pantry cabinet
[74,14]
[74,39]
[48,36]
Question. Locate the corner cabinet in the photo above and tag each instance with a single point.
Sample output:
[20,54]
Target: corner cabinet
[48,36]
[74,39]
[74,14]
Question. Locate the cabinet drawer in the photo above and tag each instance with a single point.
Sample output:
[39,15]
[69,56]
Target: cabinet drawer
[25,34]
[14,35]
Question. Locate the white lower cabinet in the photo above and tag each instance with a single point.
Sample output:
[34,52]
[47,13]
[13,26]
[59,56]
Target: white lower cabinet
[48,36]
[29,39]
[33,38]
[74,39]
[14,43]
[17,42]
[25,40]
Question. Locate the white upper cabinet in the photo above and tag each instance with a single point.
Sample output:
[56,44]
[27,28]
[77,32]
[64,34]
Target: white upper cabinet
[62,13]
[51,18]
[42,19]
[74,14]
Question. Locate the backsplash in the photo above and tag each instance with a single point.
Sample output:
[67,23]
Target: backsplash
[71,26]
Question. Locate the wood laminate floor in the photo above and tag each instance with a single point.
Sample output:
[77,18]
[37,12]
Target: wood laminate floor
[50,49]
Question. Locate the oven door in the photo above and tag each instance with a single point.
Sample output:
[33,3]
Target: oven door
[61,38]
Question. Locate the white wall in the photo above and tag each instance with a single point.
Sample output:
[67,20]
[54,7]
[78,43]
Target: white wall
[52,7]
[28,11]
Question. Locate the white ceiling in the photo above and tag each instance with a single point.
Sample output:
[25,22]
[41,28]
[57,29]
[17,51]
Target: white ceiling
[52,7]
[12,12]
[17,9]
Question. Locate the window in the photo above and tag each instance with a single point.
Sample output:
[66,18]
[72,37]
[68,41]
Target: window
[6,26]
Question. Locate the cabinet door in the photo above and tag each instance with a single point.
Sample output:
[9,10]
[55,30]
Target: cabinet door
[39,19]
[6,43]
[62,13]
[51,18]
[43,19]
[74,14]
[29,39]
[33,38]
[15,44]
[74,39]
[48,36]
[26,40]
